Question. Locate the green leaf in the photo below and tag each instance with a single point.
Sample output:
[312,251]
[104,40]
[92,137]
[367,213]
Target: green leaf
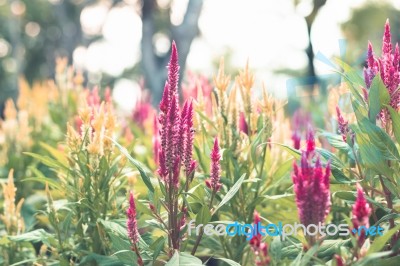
[283,169]
[371,156]
[380,139]
[208,120]
[336,141]
[295,153]
[378,97]
[380,241]
[42,179]
[144,174]
[57,154]
[204,215]
[395,122]
[329,156]
[345,195]
[50,162]
[353,79]
[35,236]
[359,110]
[157,246]
[340,177]
[377,257]
[101,260]
[183,259]
[235,188]
[120,231]
[387,217]
[331,246]
[274,197]
[228,261]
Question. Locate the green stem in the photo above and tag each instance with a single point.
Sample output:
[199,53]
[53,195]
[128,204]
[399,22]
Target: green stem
[202,230]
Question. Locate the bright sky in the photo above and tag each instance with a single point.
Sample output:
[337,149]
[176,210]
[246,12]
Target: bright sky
[272,34]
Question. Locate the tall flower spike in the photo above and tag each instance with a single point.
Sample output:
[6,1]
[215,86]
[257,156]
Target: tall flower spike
[372,66]
[156,140]
[189,139]
[361,210]
[259,248]
[131,223]
[311,186]
[132,229]
[310,140]
[370,56]
[13,221]
[221,81]
[343,124]
[387,39]
[243,124]
[256,240]
[296,137]
[213,183]
[173,72]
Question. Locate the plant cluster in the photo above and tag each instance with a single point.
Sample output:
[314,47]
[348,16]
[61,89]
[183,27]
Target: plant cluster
[88,186]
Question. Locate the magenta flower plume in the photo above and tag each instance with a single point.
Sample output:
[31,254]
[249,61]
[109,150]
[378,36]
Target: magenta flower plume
[361,210]
[213,182]
[310,140]
[131,223]
[175,128]
[255,242]
[389,69]
[143,111]
[173,71]
[311,185]
[372,66]
[301,122]
[296,137]
[188,161]
[343,124]
[259,248]
[156,140]
[243,124]
[387,40]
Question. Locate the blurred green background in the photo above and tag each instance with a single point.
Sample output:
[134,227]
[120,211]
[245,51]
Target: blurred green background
[124,43]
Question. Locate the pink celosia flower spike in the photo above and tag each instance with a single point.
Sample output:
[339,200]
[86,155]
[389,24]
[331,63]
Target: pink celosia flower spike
[372,66]
[260,249]
[310,140]
[387,39]
[256,240]
[213,183]
[243,124]
[311,185]
[370,56]
[131,223]
[132,229]
[156,140]
[173,71]
[188,161]
[361,212]
[296,137]
[343,124]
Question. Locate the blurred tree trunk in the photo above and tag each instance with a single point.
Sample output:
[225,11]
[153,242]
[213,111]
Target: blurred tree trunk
[317,4]
[9,86]
[153,65]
